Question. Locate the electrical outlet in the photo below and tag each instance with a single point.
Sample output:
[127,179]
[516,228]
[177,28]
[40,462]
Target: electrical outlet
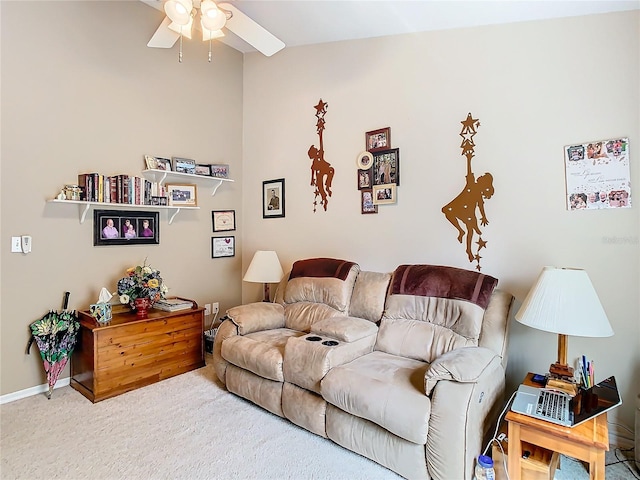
[215,307]
[207,309]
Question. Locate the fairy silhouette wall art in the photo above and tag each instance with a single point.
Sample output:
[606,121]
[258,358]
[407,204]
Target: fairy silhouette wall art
[463,210]
[321,171]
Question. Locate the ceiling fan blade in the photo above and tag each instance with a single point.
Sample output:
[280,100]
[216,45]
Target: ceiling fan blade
[164,37]
[252,33]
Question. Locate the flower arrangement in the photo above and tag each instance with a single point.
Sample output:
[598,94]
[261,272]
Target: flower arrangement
[141,281]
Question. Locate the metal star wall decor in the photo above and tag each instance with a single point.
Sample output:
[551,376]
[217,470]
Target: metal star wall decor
[321,171]
[462,210]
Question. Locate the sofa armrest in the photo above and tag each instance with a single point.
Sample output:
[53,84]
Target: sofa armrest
[463,365]
[345,329]
[255,317]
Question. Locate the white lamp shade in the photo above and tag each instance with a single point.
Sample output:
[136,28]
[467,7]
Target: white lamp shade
[264,268]
[564,301]
[179,11]
[211,16]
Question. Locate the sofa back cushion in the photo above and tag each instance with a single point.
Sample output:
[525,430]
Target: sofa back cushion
[431,310]
[318,288]
[369,294]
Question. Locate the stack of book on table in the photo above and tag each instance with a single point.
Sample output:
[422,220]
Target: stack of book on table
[173,304]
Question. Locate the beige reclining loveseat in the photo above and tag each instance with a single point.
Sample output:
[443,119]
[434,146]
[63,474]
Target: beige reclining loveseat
[407,369]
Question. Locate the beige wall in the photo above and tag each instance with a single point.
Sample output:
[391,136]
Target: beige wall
[87,94]
[534,86]
[81,92]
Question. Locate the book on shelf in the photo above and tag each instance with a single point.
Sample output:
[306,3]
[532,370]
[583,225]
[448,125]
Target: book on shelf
[174,304]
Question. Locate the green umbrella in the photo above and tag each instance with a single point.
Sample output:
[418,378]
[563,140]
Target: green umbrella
[56,335]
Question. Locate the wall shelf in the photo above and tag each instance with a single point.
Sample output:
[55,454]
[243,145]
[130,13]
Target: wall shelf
[164,176]
[84,207]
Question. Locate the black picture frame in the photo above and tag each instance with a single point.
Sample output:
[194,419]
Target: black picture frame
[390,158]
[146,227]
[273,198]
[223,220]
[223,247]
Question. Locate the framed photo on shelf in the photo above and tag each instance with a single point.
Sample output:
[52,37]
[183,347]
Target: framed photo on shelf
[220,170]
[364,179]
[163,163]
[223,220]
[366,202]
[386,167]
[184,165]
[223,247]
[377,140]
[273,198]
[203,170]
[125,227]
[151,162]
[182,195]
[160,201]
[384,194]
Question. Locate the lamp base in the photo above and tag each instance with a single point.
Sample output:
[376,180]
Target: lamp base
[560,370]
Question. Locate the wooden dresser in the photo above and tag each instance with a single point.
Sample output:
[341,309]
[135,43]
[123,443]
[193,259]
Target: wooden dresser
[128,352]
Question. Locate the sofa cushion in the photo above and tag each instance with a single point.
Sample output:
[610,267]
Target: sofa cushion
[369,294]
[419,340]
[322,285]
[345,329]
[385,389]
[432,310]
[261,352]
[256,316]
[302,315]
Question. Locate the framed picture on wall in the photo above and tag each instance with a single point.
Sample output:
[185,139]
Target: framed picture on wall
[386,167]
[273,198]
[223,247]
[366,202]
[364,179]
[377,140]
[125,227]
[223,220]
[384,194]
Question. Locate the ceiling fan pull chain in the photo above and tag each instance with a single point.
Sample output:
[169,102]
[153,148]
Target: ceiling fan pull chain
[209,50]
[180,51]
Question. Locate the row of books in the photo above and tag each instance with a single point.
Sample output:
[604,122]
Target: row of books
[173,304]
[133,190]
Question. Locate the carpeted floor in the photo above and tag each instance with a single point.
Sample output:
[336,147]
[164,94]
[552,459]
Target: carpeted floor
[186,427]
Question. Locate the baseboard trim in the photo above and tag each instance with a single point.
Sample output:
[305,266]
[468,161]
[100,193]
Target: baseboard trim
[29,392]
[620,436]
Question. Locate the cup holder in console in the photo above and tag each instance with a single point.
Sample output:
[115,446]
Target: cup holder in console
[330,343]
[313,339]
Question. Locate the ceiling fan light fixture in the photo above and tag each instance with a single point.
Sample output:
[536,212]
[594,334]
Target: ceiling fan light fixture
[184,30]
[211,34]
[212,18]
[179,11]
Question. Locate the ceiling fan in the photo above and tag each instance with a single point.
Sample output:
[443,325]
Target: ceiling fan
[210,19]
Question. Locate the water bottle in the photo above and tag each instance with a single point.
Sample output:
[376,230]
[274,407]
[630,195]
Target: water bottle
[484,469]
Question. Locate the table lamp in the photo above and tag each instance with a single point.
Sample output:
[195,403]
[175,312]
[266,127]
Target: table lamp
[264,268]
[563,301]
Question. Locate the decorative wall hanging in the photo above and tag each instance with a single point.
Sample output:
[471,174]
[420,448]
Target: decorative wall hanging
[598,175]
[386,167]
[463,209]
[273,198]
[321,171]
[377,140]
[223,247]
[223,220]
[125,227]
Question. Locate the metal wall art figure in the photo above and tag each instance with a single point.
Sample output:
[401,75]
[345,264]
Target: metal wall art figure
[321,170]
[462,210]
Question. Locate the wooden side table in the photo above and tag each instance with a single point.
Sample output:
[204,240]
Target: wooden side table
[587,442]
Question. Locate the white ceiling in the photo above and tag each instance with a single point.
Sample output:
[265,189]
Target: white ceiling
[305,22]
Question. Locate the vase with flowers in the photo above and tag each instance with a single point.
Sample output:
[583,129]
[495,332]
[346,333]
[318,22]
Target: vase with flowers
[141,287]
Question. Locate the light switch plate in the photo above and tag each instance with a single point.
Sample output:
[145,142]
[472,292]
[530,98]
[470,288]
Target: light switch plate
[16,244]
